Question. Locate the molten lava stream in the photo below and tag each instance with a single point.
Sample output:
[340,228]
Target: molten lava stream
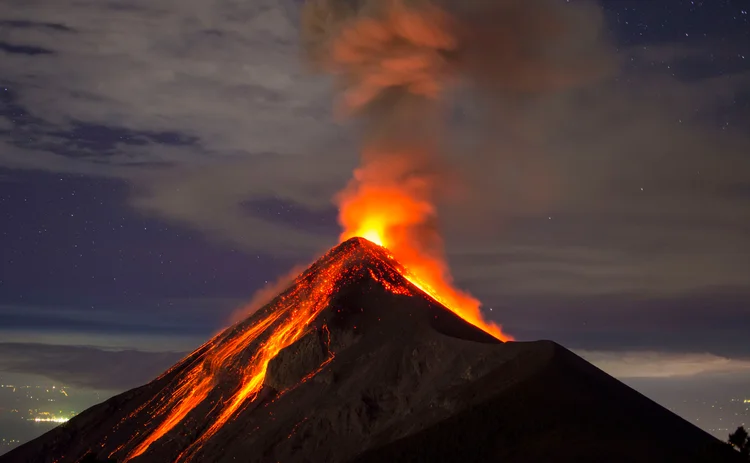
[428,274]
[199,381]
[383,206]
[292,327]
[461,304]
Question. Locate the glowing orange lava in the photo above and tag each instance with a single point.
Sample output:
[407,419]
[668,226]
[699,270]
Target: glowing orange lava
[198,382]
[286,333]
[385,210]
[288,321]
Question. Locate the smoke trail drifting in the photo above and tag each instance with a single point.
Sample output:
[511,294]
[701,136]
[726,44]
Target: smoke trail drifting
[393,60]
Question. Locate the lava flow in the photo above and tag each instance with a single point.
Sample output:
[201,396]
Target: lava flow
[199,381]
[392,213]
[263,336]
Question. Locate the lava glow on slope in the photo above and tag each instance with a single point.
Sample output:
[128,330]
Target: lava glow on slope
[387,214]
[236,361]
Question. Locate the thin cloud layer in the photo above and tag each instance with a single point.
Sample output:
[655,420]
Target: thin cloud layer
[627,365]
[86,367]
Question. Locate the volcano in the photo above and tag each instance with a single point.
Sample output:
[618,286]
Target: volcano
[353,363]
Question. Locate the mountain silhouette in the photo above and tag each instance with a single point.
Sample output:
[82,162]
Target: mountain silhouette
[353,363]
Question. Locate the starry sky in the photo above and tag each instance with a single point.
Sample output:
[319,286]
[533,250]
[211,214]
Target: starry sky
[162,160]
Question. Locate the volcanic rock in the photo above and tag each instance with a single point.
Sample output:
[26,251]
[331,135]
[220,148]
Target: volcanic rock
[379,371]
[295,362]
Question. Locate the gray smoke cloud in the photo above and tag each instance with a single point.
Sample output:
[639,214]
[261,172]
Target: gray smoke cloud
[380,47]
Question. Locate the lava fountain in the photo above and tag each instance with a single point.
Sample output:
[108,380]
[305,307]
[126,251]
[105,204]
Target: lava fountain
[397,214]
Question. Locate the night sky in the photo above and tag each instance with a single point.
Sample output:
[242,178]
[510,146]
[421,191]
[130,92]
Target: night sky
[162,160]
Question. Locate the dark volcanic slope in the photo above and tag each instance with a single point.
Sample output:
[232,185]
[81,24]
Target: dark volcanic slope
[566,411]
[380,373]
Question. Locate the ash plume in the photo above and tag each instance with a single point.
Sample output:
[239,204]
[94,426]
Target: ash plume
[384,50]
[393,61]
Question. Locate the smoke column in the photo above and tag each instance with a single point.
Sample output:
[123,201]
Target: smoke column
[393,60]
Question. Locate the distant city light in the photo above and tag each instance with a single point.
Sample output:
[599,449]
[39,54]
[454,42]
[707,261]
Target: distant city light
[51,419]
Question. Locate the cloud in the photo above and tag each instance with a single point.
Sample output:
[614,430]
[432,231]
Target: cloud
[23,49]
[225,76]
[212,199]
[86,367]
[224,72]
[663,365]
[153,326]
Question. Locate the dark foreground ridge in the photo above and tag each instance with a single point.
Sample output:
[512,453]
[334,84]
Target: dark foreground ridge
[370,369]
